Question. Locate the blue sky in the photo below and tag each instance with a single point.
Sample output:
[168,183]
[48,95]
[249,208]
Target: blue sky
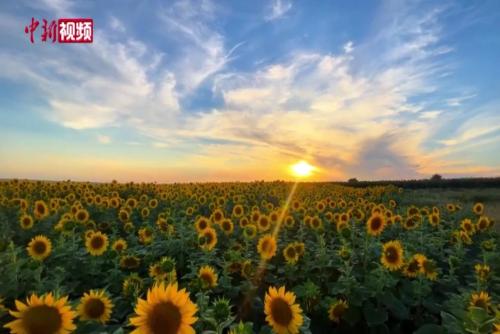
[239,90]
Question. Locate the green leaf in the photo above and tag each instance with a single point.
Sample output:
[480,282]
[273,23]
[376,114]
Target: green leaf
[397,308]
[478,315]
[451,323]
[352,315]
[374,316]
[430,329]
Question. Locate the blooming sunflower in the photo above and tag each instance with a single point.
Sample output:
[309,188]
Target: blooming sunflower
[82,216]
[483,223]
[467,226]
[45,314]
[282,314]
[208,276]
[97,243]
[263,223]
[39,247]
[165,310]
[482,271]
[434,219]
[429,269]
[238,210]
[250,231]
[290,254]
[208,239]
[26,222]
[227,226]
[40,210]
[95,305]
[480,299]
[392,255]
[336,310]
[478,208]
[201,224]
[375,224]
[119,245]
[267,246]
[130,262]
[412,268]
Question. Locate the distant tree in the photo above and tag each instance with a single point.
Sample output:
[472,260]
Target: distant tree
[353,180]
[436,177]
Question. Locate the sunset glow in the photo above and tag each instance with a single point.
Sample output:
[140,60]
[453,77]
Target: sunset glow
[302,169]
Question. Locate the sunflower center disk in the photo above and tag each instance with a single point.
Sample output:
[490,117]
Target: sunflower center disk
[97,243]
[281,312]
[39,247]
[165,318]
[94,308]
[391,254]
[42,319]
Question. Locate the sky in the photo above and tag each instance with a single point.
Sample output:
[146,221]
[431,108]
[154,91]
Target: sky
[206,90]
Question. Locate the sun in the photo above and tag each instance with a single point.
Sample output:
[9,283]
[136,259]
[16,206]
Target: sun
[302,169]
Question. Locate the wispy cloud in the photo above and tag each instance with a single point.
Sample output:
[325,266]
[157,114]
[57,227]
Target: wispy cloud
[278,9]
[103,139]
[354,112]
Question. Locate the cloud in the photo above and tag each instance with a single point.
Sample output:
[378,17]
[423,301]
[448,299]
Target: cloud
[352,114]
[104,139]
[278,9]
[348,47]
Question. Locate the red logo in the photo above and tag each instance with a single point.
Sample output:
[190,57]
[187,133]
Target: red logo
[75,30]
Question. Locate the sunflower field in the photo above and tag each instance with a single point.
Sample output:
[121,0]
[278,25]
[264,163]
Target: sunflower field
[261,257]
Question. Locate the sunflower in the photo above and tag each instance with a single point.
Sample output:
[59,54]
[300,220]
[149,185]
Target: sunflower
[465,237]
[375,224]
[82,216]
[428,268]
[119,245]
[45,314]
[467,226]
[201,224]
[250,231]
[227,226]
[130,262]
[26,222]
[132,285]
[217,216]
[282,314]
[478,208]
[263,223]
[392,255]
[123,215]
[166,310]
[208,239]
[208,276]
[96,306]
[480,299]
[153,203]
[483,223]
[40,210]
[434,219]
[336,310]
[289,222]
[412,268]
[39,248]
[290,253]
[267,246]
[145,235]
[238,210]
[97,243]
[482,271]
